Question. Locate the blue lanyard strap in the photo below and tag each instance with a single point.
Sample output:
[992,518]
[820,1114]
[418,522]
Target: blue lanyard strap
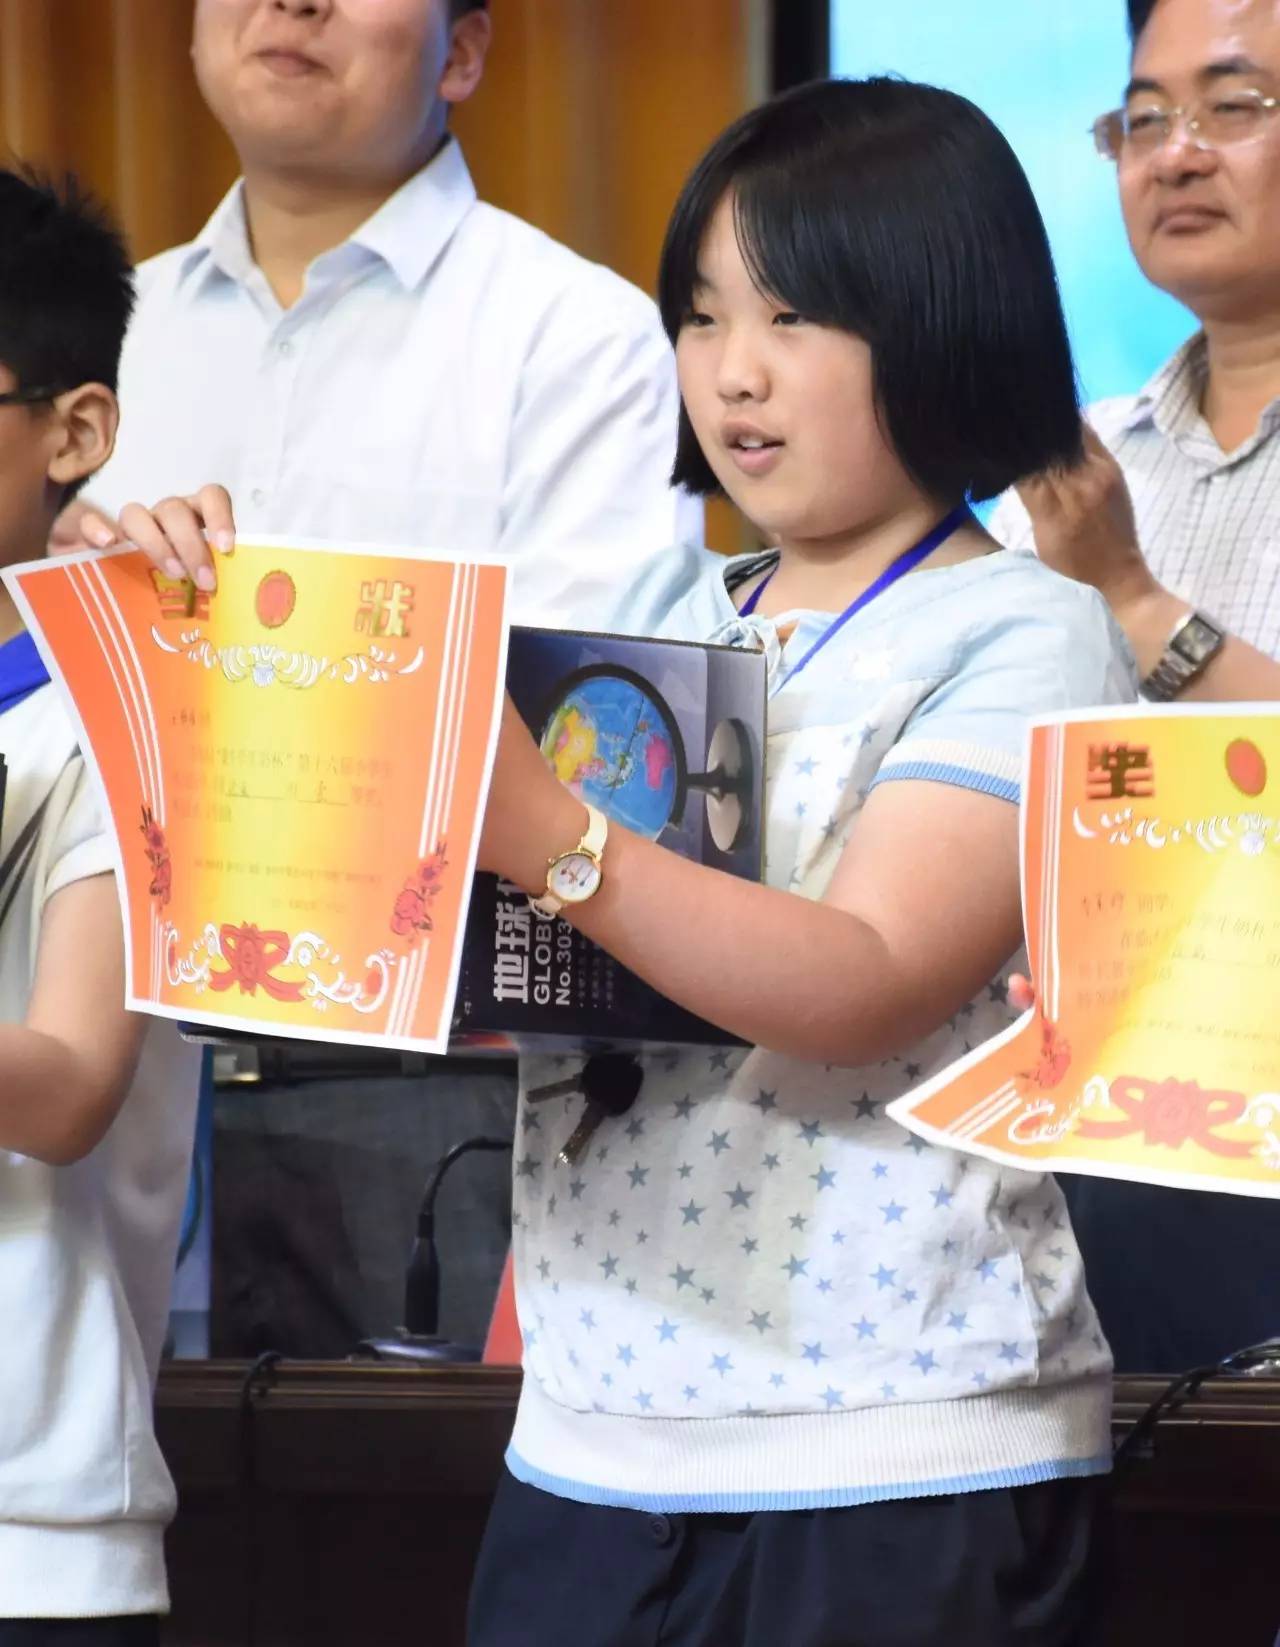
[21,671]
[906,562]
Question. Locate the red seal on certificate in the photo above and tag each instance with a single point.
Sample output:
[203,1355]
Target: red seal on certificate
[275,600]
[1246,767]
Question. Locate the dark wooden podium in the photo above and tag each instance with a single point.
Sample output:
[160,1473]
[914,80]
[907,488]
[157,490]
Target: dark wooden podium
[340,1505]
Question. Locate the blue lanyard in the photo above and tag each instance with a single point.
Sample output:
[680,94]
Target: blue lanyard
[906,562]
[21,671]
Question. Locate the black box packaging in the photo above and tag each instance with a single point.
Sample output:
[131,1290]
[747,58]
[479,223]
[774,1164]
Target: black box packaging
[664,737]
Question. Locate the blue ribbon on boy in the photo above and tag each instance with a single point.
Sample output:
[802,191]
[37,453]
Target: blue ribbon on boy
[22,671]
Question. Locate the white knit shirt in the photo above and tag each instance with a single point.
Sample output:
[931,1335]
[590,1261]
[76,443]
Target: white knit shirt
[756,1291]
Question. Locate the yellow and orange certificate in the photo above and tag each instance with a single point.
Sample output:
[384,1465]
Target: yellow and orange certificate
[1151,893]
[295,769]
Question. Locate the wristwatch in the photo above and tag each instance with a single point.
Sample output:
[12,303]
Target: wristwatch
[1192,646]
[575,876]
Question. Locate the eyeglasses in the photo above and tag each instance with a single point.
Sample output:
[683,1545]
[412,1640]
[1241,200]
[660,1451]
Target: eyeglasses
[1138,132]
[27,397]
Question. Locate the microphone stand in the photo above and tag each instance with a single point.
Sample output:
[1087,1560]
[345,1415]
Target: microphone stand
[418,1340]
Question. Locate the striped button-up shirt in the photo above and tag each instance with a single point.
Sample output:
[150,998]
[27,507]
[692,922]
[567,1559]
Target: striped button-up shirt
[1207,520]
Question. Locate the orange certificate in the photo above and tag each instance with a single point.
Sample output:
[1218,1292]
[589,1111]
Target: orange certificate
[1151,892]
[295,769]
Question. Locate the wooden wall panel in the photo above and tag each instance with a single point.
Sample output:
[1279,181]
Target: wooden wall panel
[173,162]
[592,112]
[28,104]
[104,88]
[589,117]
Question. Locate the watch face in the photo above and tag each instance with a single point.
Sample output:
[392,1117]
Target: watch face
[1197,640]
[573,878]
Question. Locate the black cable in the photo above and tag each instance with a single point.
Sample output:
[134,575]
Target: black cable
[422,1277]
[256,1382]
[192,1230]
[1245,1363]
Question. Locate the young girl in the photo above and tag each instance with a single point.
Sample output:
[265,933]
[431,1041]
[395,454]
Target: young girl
[793,1377]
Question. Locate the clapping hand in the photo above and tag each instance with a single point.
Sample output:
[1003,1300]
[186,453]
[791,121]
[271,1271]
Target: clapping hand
[1084,526]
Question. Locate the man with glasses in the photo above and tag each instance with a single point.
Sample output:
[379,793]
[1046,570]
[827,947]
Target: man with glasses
[1174,517]
[1172,514]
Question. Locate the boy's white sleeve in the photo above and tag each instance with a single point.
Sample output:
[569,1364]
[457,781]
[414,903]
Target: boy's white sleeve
[80,843]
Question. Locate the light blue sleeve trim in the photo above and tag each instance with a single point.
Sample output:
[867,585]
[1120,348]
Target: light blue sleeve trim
[825,1498]
[963,777]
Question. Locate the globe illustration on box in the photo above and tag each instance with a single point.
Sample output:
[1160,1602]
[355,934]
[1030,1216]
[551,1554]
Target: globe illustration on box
[614,744]
[612,738]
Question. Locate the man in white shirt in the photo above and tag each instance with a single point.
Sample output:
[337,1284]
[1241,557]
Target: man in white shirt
[1174,511]
[358,348]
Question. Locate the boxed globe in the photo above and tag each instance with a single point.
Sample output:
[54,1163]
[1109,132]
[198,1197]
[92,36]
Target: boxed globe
[666,738]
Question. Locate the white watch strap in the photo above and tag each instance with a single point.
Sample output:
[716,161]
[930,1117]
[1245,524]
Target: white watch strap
[597,831]
[592,843]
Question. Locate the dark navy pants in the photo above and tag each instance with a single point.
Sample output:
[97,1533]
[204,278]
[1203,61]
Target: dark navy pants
[143,1631]
[1006,1568]
[1179,1278]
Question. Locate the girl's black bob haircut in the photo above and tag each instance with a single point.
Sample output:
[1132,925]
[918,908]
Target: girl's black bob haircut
[899,213]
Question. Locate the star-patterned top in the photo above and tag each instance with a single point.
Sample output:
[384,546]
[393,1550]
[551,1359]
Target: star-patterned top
[756,1238]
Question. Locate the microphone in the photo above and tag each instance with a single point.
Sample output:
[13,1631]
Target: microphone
[417,1339]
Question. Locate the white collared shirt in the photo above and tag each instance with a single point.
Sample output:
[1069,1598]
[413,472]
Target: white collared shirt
[449,377]
[1207,520]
